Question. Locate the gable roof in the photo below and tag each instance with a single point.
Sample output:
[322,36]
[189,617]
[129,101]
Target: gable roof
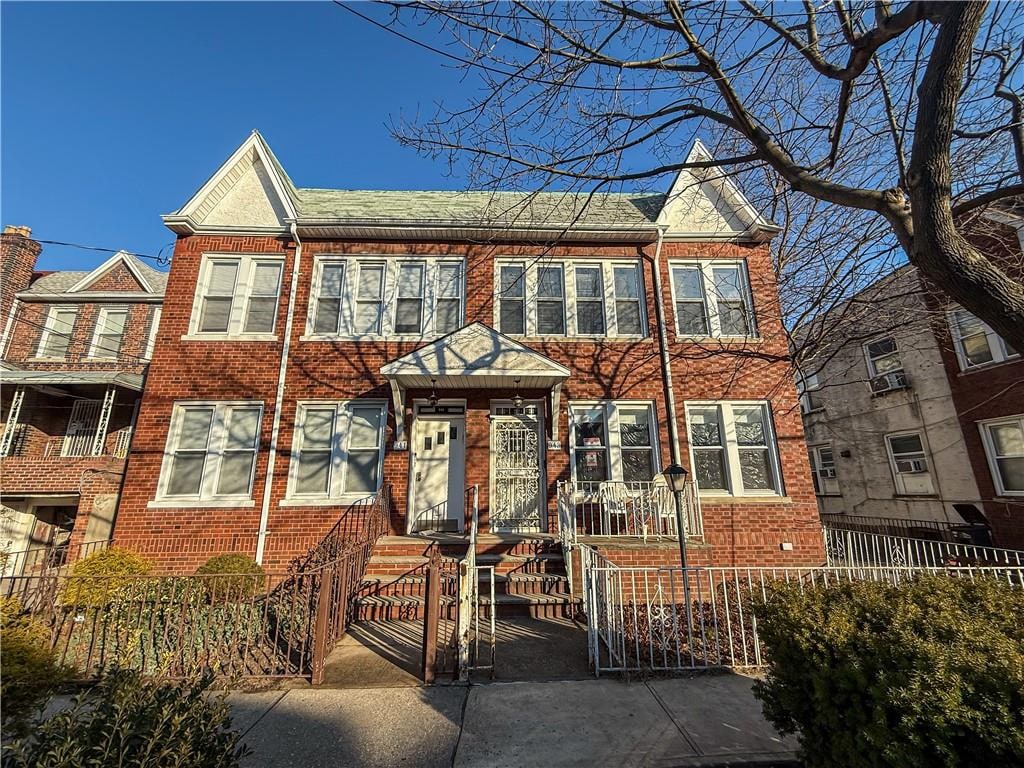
[76,282]
[251,193]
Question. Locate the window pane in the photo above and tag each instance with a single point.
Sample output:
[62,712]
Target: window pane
[410,280]
[365,429]
[589,283]
[732,318]
[328,313]
[691,318]
[755,470]
[550,317]
[627,314]
[687,283]
[186,474]
[317,428]
[882,347]
[313,472]
[1011,471]
[710,470]
[265,279]
[549,282]
[591,464]
[634,427]
[906,444]
[215,315]
[368,317]
[887,364]
[590,429]
[627,286]
[261,315]
[222,278]
[825,457]
[976,349]
[749,426]
[511,316]
[512,283]
[195,428]
[242,425]
[589,317]
[637,465]
[449,281]
[447,317]
[1008,439]
[371,280]
[332,278]
[361,475]
[408,313]
[704,426]
[235,474]
[728,282]
[58,339]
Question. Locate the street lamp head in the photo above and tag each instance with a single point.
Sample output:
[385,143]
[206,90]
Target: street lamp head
[675,476]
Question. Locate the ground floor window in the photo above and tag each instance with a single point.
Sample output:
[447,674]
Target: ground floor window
[338,449]
[823,470]
[909,462]
[733,448]
[1004,447]
[613,441]
[211,451]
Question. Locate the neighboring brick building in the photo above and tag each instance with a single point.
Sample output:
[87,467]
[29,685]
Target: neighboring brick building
[918,412]
[72,359]
[317,343]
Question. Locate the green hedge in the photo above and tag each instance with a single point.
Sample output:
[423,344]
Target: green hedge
[927,673]
[29,668]
[233,576]
[96,579]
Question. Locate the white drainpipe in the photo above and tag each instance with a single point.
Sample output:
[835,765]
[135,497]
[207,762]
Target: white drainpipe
[666,369]
[261,539]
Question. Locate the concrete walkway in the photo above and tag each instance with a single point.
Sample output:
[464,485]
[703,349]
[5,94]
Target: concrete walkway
[710,720]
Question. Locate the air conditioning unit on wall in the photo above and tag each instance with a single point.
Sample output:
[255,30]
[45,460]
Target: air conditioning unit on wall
[888,382]
[827,472]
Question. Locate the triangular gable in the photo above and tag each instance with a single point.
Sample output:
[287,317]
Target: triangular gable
[120,260]
[706,201]
[249,191]
[475,350]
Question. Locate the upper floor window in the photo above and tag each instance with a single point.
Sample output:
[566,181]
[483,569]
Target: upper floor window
[909,463]
[56,336]
[734,449]
[977,344]
[237,296]
[569,298]
[211,451]
[613,441]
[712,298]
[823,470]
[1004,447]
[885,367]
[109,333]
[338,449]
[806,386]
[360,297]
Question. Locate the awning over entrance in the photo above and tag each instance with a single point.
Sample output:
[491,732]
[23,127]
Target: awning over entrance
[473,357]
[55,378]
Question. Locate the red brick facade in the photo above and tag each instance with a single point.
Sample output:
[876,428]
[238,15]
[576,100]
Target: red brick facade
[748,532]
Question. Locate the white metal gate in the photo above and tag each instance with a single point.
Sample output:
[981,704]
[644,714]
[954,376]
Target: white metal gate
[82,426]
[515,453]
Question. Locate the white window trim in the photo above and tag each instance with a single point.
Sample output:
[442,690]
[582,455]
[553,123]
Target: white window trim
[805,385]
[49,328]
[240,301]
[873,372]
[391,266]
[339,452]
[613,433]
[207,495]
[892,461]
[710,304]
[154,327]
[101,319]
[996,344]
[990,451]
[732,455]
[569,266]
[816,467]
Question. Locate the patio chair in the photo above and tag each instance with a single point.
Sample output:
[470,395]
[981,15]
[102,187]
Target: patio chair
[614,506]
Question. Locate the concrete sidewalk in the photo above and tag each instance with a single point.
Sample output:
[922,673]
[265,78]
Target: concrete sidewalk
[710,720]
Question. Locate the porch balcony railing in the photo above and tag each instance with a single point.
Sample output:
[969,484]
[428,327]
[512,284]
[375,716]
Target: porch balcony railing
[642,510]
[78,446]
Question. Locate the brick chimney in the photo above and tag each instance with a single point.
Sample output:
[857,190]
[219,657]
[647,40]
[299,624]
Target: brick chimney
[18,253]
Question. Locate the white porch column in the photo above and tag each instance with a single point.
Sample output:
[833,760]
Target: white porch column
[103,422]
[11,425]
[556,400]
[398,398]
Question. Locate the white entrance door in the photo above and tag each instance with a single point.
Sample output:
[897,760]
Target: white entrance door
[516,498]
[439,473]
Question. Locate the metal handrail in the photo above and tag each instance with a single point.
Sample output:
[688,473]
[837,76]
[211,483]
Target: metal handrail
[853,547]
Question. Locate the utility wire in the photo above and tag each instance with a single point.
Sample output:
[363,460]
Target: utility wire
[159,259]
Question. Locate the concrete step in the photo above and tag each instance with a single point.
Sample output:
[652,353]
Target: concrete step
[407,607]
[539,563]
[504,584]
[517,544]
[401,565]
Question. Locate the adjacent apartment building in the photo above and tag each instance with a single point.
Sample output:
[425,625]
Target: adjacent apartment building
[73,357]
[914,408]
[318,343]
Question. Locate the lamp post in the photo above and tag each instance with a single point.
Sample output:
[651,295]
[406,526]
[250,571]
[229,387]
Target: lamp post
[675,476]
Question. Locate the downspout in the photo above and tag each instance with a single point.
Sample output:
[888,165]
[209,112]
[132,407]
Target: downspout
[666,369]
[261,538]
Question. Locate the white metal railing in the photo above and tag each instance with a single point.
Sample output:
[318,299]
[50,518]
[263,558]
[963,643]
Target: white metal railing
[670,619]
[469,634]
[122,442]
[643,510]
[851,548]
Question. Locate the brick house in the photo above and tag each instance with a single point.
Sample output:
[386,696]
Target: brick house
[915,419]
[316,344]
[73,356]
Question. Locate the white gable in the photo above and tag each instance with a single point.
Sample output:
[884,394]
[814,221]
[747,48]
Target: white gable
[704,201]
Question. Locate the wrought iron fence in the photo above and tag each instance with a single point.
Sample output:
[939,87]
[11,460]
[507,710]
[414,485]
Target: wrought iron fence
[666,619]
[938,530]
[851,548]
[45,558]
[643,510]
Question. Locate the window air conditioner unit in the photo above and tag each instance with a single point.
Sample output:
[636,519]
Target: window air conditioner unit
[912,466]
[827,472]
[887,382]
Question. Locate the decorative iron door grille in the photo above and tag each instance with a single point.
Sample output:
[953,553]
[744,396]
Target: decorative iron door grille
[82,426]
[515,448]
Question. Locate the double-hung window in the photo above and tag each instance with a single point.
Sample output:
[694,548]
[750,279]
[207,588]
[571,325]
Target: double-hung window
[109,333]
[56,336]
[448,304]
[885,367]
[734,449]
[237,296]
[512,298]
[550,300]
[712,298]
[1004,445]
[327,318]
[211,452]
[976,343]
[909,463]
[589,301]
[409,302]
[823,470]
[628,308]
[369,312]
[613,441]
[806,387]
[338,450]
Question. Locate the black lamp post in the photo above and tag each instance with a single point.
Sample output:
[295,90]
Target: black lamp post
[675,476]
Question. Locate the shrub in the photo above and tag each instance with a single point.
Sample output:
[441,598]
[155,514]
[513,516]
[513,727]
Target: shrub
[137,724]
[29,668]
[234,576]
[926,673]
[97,578]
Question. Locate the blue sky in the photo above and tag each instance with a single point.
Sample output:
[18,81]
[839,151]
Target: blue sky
[115,113]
